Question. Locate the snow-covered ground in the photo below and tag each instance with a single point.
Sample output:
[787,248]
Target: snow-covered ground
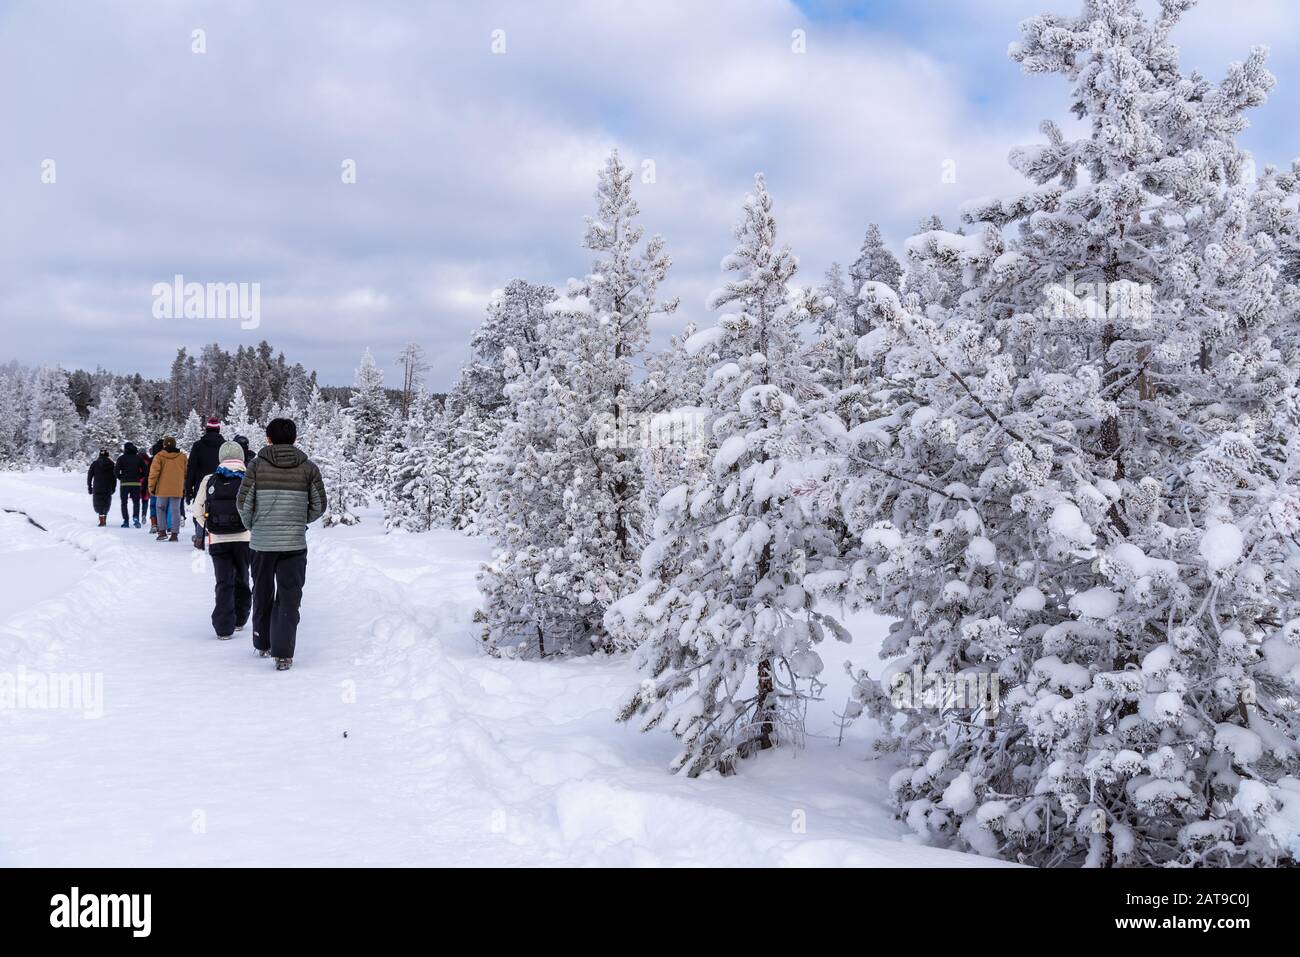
[393,741]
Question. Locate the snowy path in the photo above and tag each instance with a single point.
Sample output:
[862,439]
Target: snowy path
[204,755]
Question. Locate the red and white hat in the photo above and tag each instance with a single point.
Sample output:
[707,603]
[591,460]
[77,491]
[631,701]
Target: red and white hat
[214,422]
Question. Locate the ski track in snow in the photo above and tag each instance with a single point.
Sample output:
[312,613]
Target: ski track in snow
[205,755]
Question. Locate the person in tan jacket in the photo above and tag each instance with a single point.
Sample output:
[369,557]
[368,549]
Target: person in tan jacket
[167,485]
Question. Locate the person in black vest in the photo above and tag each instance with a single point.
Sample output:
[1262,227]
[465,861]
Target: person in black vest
[205,454]
[100,484]
[216,513]
[132,474]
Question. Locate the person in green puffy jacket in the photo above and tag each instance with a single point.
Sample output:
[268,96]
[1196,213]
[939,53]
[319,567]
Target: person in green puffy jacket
[282,493]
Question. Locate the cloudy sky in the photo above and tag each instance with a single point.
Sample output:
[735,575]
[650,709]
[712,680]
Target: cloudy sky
[475,166]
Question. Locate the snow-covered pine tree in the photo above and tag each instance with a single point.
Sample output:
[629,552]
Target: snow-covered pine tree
[510,326]
[191,431]
[832,356]
[418,496]
[13,426]
[53,426]
[238,421]
[721,618]
[549,586]
[370,414]
[331,440]
[131,414]
[317,413]
[875,263]
[1086,489]
[103,428]
[676,450]
[473,437]
[934,270]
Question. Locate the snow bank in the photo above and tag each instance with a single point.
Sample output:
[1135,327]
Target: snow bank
[394,740]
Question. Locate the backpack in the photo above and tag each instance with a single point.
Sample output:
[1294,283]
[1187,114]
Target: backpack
[222,513]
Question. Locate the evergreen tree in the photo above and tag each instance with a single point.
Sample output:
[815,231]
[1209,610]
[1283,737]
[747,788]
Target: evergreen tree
[571,533]
[13,425]
[473,438]
[676,451]
[369,415]
[934,266]
[418,497]
[1088,496]
[833,356]
[131,414]
[510,326]
[238,421]
[721,617]
[191,431]
[331,442]
[53,426]
[103,428]
[178,392]
[253,376]
[875,263]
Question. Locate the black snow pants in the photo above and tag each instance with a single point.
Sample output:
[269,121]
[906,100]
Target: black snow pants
[230,560]
[102,502]
[133,493]
[278,579]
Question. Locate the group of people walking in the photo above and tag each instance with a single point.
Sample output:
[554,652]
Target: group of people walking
[250,513]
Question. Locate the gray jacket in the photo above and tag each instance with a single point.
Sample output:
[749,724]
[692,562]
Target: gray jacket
[282,493]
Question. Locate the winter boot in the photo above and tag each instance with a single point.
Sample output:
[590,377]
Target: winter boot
[134,524]
[103,520]
[161,536]
[262,652]
[126,524]
[175,537]
[283,664]
[153,523]
[225,637]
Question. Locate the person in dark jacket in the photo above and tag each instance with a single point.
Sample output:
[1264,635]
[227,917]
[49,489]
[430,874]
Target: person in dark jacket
[132,475]
[146,504]
[217,510]
[100,484]
[243,442]
[205,456]
[281,495]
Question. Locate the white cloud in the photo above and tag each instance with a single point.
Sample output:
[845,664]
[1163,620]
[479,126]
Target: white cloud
[472,168]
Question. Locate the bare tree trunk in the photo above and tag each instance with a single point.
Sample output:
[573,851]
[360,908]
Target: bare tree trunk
[1145,392]
[766,686]
[1111,439]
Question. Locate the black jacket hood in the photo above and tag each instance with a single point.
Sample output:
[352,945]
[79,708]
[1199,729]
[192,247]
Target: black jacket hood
[130,448]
